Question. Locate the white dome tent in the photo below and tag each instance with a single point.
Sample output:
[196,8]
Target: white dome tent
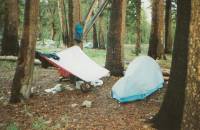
[142,77]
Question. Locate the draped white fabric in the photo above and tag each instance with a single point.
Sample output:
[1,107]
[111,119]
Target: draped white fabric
[75,61]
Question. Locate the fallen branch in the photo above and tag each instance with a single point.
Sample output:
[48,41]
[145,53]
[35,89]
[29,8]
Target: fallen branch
[14,59]
[166,72]
[166,78]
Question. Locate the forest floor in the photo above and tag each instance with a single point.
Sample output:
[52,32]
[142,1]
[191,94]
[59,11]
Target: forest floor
[57,111]
[63,110]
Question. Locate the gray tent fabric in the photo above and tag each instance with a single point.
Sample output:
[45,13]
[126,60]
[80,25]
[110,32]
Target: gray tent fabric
[142,77]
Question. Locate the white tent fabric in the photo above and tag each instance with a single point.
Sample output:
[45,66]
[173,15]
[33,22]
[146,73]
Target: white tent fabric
[142,77]
[75,61]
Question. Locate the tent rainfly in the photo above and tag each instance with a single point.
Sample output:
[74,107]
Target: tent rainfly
[142,77]
[74,61]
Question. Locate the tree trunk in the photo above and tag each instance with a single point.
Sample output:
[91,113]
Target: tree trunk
[191,117]
[101,29]
[168,27]
[170,114]
[53,31]
[138,27]
[156,41]
[2,16]
[114,56]
[95,41]
[10,44]
[21,86]
[74,18]
[63,21]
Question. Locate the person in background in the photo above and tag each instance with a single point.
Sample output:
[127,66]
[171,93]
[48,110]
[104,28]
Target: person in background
[78,33]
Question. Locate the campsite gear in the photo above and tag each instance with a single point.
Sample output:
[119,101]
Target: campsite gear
[44,62]
[74,61]
[49,55]
[52,55]
[55,89]
[86,87]
[142,77]
[97,83]
[78,84]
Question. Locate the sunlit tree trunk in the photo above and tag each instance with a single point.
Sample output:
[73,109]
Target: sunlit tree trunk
[74,18]
[138,27]
[114,56]
[10,44]
[21,86]
[191,117]
[168,27]
[156,41]
[101,28]
[170,114]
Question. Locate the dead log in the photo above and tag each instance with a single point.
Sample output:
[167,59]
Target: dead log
[166,72]
[166,78]
[14,59]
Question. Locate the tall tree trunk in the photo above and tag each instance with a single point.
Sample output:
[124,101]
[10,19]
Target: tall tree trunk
[52,9]
[53,31]
[138,27]
[21,86]
[10,44]
[161,34]
[101,29]
[74,18]
[63,21]
[191,117]
[156,41]
[95,41]
[168,27]
[170,114]
[114,56]
[2,14]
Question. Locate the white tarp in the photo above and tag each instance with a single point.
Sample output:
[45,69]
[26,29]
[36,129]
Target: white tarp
[143,77]
[75,61]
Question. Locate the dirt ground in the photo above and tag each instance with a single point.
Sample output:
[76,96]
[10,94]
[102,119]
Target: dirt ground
[56,111]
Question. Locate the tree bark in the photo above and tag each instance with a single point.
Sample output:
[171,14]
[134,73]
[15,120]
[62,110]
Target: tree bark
[74,18]
[52,12]
[21,86]
[114,56]
[156,41]
[170,114]
[191,118]
[138,27]
[63,21]
[168,27]
[95,40]
[101,29]
[53,31]
[2,14]
[10,44]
